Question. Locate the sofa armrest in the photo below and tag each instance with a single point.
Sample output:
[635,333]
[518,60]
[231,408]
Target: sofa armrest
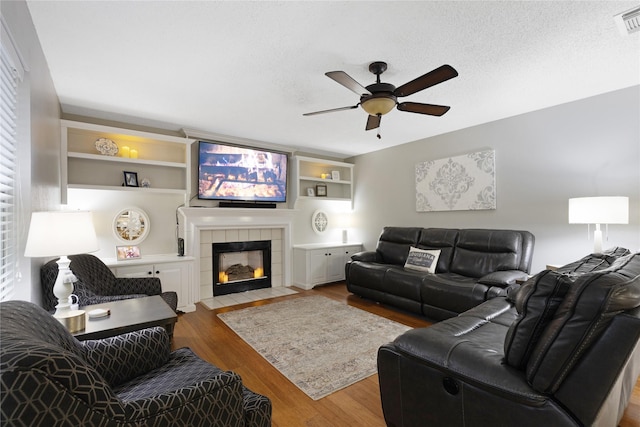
[194,388]
[503,279]
[123,357]
[367,256]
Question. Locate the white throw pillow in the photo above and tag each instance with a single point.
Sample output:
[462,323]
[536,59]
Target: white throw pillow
[422,260]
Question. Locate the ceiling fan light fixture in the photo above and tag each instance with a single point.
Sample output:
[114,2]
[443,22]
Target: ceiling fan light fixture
[378,105]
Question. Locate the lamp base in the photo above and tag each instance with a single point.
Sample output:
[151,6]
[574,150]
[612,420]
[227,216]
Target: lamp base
[597,240]
[73,320]
[63,287]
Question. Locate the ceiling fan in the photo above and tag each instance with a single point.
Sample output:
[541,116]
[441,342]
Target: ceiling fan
[379,98]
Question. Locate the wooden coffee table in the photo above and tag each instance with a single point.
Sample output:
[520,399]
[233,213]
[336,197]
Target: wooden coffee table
[127,316]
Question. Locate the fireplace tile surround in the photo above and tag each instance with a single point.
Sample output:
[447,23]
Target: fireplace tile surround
[201,227]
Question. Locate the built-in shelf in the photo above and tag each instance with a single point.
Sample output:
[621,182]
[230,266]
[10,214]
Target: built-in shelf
[308,173]
[121,188]
[163,160]
[124,160]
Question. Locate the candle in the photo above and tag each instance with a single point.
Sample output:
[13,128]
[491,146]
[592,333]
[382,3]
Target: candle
[124,151]
[133,153]
[323,175]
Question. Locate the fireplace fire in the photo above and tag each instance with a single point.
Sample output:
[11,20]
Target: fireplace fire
[241,266]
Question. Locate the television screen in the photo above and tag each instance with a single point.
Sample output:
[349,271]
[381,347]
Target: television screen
[227,172]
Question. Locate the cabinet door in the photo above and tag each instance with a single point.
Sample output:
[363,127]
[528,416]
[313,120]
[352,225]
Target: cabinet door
[174,277]
[318,266]
[335,264]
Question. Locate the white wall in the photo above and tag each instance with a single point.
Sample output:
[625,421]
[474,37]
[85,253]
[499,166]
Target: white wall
[589,147]
[38,136]
[105,205]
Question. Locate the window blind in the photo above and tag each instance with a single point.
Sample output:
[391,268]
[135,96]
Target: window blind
[10,75]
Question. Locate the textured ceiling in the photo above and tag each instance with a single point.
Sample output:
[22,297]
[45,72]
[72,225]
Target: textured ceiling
[251,69]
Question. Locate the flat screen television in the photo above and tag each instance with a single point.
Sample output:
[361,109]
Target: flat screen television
[232,173]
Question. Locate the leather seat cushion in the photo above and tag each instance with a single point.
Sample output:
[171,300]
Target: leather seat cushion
[463,343]
[404,283]
[452,291]
[592,300]
[371,274]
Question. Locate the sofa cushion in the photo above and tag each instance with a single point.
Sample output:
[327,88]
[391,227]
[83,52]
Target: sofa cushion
[404,283]
[539,298]
[595,262]
[592,300]
[536,303]
[394,243]
[443,239]
[452,292]
[371,274]
[479,252]
[422,260]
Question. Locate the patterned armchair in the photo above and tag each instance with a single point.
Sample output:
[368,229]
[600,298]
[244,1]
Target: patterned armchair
[96,284]
[47,377]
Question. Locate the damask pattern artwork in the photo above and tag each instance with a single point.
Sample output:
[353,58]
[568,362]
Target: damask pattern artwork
[466,182]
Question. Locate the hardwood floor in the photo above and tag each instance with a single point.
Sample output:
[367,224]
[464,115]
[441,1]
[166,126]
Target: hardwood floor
[356,405]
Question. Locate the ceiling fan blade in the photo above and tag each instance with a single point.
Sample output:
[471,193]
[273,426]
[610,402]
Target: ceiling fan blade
[432,78]
[347,81]
[333,110]
[373,122]
[430,109]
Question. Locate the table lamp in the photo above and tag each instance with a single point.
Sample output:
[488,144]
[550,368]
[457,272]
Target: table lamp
[598,210]
[58,234]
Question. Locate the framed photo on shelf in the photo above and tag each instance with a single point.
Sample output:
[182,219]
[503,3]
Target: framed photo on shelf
[127,252]
[130,179]
[321,190]
[335,175]
[311,192]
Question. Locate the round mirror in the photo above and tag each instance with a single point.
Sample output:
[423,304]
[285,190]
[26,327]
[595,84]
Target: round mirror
[131,225]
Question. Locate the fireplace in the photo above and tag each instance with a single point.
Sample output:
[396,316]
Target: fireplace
[241,266]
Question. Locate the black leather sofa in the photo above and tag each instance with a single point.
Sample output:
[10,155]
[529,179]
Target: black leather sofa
[474,265]
[562,351]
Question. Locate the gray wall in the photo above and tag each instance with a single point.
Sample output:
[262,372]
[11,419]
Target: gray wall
[589,147]
[38,137]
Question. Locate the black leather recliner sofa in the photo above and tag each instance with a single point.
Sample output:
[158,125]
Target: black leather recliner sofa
[563,351]
[474,265]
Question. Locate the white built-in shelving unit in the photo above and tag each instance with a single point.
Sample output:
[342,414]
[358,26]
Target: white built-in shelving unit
[308,173]
[162,159]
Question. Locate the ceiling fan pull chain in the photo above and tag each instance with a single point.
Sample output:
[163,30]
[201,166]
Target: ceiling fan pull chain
[379,126]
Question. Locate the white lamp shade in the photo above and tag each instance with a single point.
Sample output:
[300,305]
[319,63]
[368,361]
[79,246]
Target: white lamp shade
[61,233]
[599,210]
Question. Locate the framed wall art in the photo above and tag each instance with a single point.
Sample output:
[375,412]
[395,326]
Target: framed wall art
[466,182]
[130,179]
[127,252]
[321,190]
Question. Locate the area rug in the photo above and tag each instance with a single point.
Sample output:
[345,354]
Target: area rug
[319,344]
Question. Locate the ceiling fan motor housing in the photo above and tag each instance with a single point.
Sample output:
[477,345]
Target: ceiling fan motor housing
[381,101]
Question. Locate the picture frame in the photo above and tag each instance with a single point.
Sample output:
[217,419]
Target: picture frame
[335,175]
[130,179]
[311,192]
[321,190]
[124,253]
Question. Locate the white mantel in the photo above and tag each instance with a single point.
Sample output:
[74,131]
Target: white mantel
[195,220]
